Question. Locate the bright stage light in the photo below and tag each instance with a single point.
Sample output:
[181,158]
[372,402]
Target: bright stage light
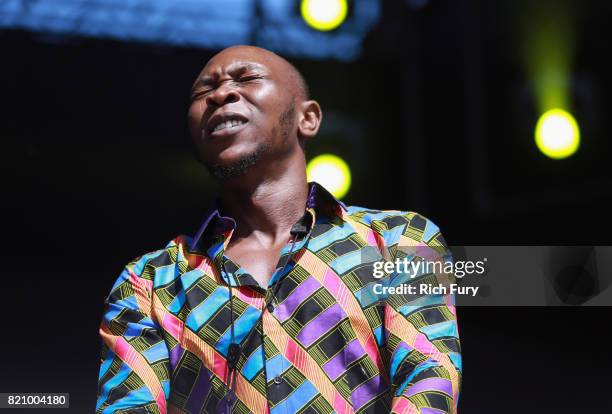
[557,134]
[331,172]
[324,14]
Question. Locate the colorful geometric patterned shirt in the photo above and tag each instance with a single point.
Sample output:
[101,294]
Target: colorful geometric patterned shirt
[319,345]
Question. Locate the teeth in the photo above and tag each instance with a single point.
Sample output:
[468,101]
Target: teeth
[230,123]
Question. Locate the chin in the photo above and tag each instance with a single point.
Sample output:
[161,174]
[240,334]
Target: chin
[231,164]
[232,155]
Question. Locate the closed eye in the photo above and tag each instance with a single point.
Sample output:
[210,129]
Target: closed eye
[200,93]
[249,78]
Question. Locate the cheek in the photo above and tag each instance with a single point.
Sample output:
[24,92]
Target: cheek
[263,98]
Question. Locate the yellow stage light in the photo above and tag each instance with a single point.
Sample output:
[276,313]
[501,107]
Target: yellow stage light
[324,15]
[557,134]
[332,172]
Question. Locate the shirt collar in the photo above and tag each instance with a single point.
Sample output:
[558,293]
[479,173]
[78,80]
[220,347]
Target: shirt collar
[214,224]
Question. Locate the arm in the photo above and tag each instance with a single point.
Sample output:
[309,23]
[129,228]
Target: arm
[134,369]
[422,333]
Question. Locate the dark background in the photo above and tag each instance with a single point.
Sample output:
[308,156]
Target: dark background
[97,169]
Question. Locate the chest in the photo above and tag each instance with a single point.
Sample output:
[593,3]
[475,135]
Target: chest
[317,332]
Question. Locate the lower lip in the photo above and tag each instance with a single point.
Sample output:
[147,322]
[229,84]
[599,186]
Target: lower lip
[226,132]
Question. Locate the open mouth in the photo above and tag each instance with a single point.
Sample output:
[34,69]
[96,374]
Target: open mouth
[225,124]
[232,123]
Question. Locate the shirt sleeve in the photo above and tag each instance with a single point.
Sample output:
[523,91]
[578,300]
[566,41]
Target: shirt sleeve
[134,367]
[422,336]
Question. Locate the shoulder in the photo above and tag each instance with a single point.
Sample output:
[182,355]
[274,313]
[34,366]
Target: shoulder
[397,225]
[146,270]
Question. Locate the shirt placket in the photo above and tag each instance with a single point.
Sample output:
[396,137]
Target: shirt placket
[276,365]
[276,386]
[241,280]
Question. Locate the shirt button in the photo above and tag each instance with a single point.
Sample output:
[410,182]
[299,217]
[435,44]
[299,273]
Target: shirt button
[270,307]
[278,380]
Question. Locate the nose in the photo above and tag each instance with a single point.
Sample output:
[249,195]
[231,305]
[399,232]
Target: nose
[222,95]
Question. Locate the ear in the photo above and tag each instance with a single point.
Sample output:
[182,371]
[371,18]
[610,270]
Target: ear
[310,117]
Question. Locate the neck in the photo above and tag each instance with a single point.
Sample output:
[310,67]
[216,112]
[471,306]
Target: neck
[267,209]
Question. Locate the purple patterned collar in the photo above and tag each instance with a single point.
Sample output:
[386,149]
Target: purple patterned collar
[318,198]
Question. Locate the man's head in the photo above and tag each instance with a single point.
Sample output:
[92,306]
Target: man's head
[250,108]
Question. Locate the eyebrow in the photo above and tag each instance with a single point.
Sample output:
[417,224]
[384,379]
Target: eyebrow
[234,69]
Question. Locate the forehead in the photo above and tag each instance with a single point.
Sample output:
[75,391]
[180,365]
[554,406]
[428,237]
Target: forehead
[241,59]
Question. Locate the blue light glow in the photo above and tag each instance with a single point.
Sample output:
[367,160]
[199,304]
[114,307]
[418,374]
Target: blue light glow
[207,24]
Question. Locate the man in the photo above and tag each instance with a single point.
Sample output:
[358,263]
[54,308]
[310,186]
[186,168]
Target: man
[266,308]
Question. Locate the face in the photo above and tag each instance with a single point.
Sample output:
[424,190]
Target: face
[242,111]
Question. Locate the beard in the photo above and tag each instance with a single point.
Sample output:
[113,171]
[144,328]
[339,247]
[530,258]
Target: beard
[237,167]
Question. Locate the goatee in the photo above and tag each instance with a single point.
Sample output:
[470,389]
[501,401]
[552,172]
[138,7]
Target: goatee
[238,167]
